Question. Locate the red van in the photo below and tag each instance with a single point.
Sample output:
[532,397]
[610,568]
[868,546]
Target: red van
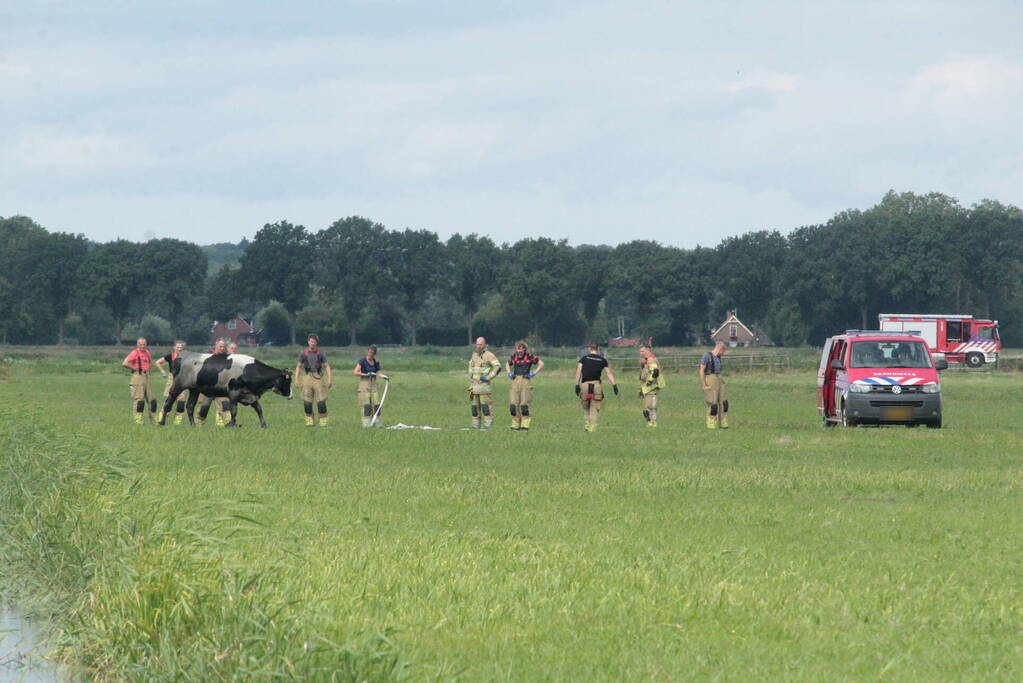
[873,377]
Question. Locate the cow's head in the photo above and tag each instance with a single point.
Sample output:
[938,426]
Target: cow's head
[282,385]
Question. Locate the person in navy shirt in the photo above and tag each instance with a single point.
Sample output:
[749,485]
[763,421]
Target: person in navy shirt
[368,371]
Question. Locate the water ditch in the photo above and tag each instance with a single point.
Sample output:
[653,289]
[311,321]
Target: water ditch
[21,648]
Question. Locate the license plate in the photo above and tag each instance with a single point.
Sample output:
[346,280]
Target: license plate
[896,413]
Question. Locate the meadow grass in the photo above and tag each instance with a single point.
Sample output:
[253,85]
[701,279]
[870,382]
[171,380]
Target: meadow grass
[776,549]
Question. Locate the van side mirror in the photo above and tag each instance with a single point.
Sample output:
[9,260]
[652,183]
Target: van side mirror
[940,362]
[837,364]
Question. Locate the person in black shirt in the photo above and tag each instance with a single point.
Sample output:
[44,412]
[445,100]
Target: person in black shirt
[587,384]
[169,359]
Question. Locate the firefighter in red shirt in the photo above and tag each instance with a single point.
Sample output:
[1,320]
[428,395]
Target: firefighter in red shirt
[314,389]
[520,371]
[140,361]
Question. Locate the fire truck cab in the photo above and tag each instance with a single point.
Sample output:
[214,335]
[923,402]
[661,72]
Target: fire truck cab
[962,338]
[875,377]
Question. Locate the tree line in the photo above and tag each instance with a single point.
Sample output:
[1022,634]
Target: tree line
[358,282]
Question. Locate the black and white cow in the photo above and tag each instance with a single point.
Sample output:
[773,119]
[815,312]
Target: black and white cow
[239,378]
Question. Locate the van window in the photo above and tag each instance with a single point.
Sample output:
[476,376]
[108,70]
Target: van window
[890,354]
[826,354]
[953,331]
[985,332]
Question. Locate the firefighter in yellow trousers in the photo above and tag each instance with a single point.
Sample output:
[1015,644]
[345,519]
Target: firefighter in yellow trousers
[168,374]
[483,367]
[220,405]
[714,387]
[368,370]
[313,362]
[520,371]
[588,388]
[139,361]
[651,381]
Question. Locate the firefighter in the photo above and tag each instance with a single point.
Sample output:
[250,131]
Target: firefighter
[139,361]
[223,407]
[368,371]
[588,386]
[520,371]
[179,412]
[714,387]
[483,367]
[651,381]
[314,363]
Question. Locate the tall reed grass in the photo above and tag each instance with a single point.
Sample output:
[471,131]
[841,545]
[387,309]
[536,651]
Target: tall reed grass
[131,587]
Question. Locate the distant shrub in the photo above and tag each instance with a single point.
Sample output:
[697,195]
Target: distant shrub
[327,321]
[129,333]
[198,332]
[274,323]
[98,325]
[156,330]
[442,336]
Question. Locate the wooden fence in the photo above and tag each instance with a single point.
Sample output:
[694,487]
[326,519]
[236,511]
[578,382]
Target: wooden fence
[733,362]
[1005,363]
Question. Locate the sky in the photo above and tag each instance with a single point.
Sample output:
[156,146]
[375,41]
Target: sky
[598,122]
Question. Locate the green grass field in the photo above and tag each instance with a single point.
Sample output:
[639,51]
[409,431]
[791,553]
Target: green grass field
[776,549]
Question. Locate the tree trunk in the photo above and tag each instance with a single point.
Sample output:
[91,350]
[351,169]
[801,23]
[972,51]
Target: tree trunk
[117,332]
[469,318]
[413,332]
[60,333]
[351,340]
[863,318]
[294,332]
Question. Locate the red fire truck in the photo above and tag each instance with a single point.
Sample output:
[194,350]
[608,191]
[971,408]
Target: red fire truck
[962,338]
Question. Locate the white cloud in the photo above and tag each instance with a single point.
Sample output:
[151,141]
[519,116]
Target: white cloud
[969,95]
[964,79]
[16,75]
[763,79]
[62,154]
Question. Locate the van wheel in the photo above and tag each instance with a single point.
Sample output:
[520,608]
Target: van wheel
[846,420]
[974,360]
[934,425]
